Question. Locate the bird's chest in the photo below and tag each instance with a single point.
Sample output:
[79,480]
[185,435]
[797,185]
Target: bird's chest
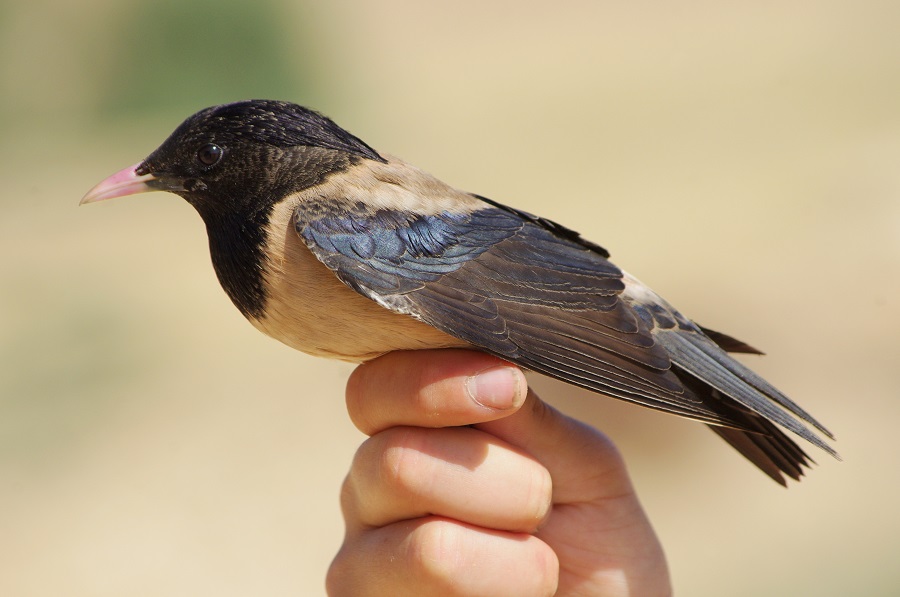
[308,308]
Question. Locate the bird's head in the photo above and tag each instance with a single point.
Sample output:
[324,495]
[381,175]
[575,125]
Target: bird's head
[238,156]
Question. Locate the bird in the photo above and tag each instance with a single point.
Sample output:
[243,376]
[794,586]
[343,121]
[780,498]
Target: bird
[340,251]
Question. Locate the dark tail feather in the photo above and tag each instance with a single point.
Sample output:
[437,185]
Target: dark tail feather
[773,452]
[763,443]
[727,343]
[759,440]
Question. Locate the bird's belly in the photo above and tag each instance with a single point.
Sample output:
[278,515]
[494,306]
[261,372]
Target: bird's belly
[308,308]
[346,329]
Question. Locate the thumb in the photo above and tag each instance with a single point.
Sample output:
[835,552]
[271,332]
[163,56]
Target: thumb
[583,462]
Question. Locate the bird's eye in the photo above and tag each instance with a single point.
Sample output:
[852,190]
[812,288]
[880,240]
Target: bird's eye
[209,155]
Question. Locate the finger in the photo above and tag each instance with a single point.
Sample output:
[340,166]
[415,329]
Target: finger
[460,473]
[437,556]
[597,526]
[432,388]
[584,463]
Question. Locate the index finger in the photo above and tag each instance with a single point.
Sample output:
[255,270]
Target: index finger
[433,388]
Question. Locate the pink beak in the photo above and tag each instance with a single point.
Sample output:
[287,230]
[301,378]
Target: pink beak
[122,183]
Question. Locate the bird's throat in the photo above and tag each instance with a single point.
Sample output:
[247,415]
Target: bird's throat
[236,247]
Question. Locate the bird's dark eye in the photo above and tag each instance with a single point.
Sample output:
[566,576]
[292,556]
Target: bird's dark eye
[210,154]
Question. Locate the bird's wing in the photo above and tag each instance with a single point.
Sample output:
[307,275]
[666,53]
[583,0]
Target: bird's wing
[518,286]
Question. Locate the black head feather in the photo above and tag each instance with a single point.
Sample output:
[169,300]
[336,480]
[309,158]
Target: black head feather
[276,123]
[248,154]
[234,162]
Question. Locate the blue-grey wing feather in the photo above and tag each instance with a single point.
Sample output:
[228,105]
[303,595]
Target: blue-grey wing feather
[508,284]
[535,293]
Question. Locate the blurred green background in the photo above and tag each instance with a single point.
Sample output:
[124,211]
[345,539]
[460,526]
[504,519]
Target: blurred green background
[741,158]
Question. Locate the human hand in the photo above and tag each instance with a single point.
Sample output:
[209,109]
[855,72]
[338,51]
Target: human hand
[469,487]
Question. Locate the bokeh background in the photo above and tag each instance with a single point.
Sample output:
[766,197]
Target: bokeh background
[741,158]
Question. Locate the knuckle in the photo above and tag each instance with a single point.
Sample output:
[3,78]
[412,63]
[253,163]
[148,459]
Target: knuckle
[434,553]
[348,497]
[355,398]
[430,390]
[402,466]
[446,558]
[545,570]
[338,575]
[539,496]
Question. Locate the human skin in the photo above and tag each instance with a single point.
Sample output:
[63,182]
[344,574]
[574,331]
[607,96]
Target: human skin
[469,484]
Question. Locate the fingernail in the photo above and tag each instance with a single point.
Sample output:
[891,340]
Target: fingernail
[496,388]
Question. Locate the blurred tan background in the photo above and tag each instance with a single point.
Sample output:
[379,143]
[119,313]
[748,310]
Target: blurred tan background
[744,160]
